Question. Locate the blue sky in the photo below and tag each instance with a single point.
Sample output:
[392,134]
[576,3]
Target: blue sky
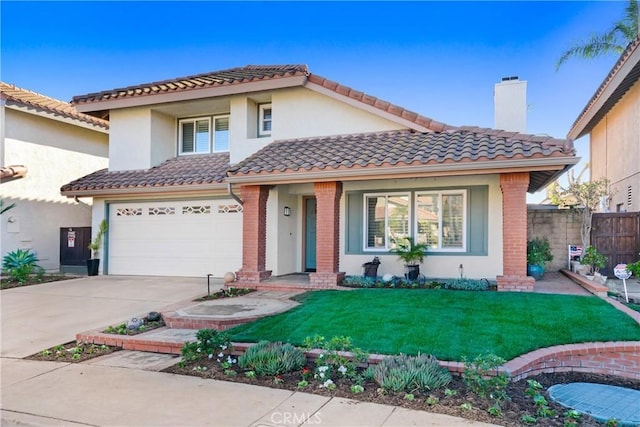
[440,59]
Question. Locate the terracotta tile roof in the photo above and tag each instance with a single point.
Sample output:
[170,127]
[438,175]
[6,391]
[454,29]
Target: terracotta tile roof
[597,107]
[399,148]
[183,171]
[379,103]
[231,76]
[252,73]
[28,98]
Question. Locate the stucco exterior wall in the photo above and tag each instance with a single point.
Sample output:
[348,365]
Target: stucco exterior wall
[615,152]
[283,232]
[298,113]
[54,153]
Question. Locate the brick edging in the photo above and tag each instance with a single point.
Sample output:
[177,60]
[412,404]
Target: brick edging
[618,358]
[131,342]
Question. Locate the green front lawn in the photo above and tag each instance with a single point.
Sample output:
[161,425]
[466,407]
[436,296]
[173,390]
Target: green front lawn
[447,324]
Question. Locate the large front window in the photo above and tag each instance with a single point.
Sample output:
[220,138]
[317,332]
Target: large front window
[387,219]
[437,218]
[195,136]
[440,220]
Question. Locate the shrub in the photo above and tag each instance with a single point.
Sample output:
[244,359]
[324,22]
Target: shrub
[20,264]
[410,373]
[272,358]
[333,362]
[482,377]
[467,285]
[209,343]
[594,259]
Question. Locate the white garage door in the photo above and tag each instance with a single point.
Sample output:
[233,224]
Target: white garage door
[175,238]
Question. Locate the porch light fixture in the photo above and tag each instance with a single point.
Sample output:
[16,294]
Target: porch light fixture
[287,211]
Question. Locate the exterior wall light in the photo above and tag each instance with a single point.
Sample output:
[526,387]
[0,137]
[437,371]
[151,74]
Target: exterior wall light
[287,211]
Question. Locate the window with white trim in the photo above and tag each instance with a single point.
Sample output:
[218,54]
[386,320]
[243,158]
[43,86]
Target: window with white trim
[387,220]
[441,220]
[264,120]
[195,136]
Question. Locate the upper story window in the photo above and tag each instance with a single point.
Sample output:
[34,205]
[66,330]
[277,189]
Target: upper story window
[264,120]
[195,136]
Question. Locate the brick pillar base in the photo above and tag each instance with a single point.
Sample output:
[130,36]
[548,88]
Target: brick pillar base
[515,283]
[250,279]
[326,280]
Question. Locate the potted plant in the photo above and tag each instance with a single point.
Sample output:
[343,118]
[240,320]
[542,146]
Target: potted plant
[594,260]
[412,254]
[538,254]
[94,263]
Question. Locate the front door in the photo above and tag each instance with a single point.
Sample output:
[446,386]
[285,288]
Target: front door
[310,234]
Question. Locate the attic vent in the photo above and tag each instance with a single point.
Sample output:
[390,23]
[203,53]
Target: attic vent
[629,197]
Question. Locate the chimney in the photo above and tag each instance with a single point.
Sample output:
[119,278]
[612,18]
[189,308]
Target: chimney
[510,104]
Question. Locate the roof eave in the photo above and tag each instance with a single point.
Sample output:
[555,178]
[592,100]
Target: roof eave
[190,94]
[377,173]
[30,109]
[585,123]
[199,188]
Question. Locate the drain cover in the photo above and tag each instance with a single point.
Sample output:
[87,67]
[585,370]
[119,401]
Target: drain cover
[603,402]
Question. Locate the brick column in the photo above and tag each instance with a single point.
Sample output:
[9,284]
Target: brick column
[254,235]
[327,235]
[514,233]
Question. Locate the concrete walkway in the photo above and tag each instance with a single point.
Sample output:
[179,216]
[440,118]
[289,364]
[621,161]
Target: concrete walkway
[104,393]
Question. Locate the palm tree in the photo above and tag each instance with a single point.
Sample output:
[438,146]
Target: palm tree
[615,40]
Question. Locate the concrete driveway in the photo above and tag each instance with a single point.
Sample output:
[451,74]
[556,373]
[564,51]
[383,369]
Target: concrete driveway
[41,316]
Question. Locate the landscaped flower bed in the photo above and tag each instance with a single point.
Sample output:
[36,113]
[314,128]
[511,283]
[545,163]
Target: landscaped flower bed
[414,382]
[73,352]
[226,293]
[421,283]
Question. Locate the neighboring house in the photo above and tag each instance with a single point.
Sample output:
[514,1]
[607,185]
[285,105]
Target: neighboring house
[272,170]
[45,143]
[612,120]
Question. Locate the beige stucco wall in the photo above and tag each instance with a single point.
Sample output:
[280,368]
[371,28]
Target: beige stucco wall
[298,113]
[615,151]
[140,138]
[284,243]
[54,153]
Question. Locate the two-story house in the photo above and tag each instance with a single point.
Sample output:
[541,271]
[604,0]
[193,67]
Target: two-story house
[611,118]
[272,170]
[44,143]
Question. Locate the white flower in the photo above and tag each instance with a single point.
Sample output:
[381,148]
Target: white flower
[321,374]
[327,383]
[220,355]
[342,369]
[323,368]
[224,347]
[211,356]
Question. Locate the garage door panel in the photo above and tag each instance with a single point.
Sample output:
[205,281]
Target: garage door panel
[180,238]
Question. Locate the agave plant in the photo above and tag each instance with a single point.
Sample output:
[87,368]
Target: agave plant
[20,264]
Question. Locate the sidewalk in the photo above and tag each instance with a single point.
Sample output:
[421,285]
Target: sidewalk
[50,393]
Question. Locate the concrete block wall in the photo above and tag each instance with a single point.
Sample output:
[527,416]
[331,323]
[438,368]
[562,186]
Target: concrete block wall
[560,226]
